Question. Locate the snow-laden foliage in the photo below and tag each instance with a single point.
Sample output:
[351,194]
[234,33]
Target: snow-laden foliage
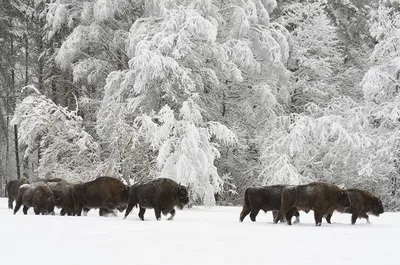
[333,144]
[96,45]
[315,52]
[174,59]
[65,149]
[381,86]
[186,152]
[381,82]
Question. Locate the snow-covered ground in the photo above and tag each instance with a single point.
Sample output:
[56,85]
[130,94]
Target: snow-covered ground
[200,235]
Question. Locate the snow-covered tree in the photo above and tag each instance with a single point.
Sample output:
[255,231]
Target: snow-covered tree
[262,50]
[162,98]
[334,144]
[66,150]
[381,91]
[316,53]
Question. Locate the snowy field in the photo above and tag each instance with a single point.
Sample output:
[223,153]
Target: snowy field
[199,235]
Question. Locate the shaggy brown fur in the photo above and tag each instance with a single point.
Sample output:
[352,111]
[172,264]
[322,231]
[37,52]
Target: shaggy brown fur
[37,195]
[104,192]
[322,198]
[361,203]
[266,198]
[161,194]
[12,189]
[63,196]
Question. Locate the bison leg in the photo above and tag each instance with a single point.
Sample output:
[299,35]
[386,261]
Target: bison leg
[17,206]
[141,213]
[129,210]
[297,214]
[10,203]
[244,213]
[172,215]
[276,216]
[328,218]
[25,210]
[289,215]
[102,212]
[253,215]
[78,209]
[354,217]
[85,211]
[364,215]
[318,218]
[63,212]
[157,212]
[36,210]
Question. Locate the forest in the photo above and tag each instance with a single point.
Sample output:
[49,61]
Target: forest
[218,95]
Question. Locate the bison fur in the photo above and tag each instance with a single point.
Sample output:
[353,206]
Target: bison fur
[362,202]
[104,192]
[266,198]
[36,195]
[12,189]
[322,198]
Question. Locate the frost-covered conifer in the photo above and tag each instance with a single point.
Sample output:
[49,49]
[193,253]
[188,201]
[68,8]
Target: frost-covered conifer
[162,98]
[315,55]
[66,150]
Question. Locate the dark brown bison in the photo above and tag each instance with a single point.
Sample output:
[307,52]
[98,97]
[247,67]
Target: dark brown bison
[361,203]
[104,192]
[161,194]
[322,198]
[37,195]
[12,189]
[62,191]
[266,198]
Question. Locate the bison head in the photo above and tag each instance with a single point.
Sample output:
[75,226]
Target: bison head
[50,205]
[182,195]
[344,198]
[376,207]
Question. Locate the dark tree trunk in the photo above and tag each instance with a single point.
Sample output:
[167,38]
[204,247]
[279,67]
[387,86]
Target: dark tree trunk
[16,151]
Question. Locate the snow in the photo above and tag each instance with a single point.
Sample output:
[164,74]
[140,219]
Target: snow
[196,236]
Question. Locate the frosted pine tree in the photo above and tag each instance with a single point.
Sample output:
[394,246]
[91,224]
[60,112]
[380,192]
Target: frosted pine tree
[261,51]
[94,46]
[65,149]
[289,142]
[316,54]
[169,96]
[381,91]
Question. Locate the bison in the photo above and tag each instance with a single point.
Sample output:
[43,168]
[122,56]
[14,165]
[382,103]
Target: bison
[161,194]
[12,189]
[37,195]
[361,203]
[104,192]
[62,191]
[322,198]
[266,198]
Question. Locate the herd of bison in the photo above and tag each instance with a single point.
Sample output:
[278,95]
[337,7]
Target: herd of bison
[162,194]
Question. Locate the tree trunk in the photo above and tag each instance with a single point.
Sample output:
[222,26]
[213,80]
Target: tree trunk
[16,151]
